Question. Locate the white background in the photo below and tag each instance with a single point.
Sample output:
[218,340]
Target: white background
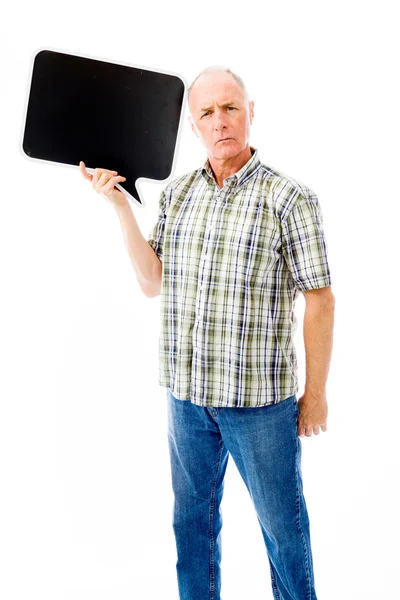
[86,499]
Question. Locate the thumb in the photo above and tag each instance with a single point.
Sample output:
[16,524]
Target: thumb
[85,174]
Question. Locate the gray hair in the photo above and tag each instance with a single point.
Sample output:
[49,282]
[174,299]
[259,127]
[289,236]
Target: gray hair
[236,77]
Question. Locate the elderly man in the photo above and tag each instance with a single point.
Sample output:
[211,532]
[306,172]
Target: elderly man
[235,243]
[238,240]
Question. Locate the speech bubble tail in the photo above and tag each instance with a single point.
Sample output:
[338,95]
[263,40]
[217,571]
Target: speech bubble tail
[137,195]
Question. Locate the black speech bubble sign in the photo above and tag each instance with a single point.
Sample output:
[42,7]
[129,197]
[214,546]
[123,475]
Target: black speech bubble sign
[109,115]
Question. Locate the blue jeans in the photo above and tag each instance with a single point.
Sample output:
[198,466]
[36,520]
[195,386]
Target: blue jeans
[264,444]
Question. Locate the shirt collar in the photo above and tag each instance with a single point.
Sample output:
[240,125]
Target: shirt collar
[240,176]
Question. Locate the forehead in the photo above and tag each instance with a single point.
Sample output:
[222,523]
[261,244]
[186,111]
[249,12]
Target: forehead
[215,87]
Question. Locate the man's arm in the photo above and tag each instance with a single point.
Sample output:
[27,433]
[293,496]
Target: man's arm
[147,265]
[318,341]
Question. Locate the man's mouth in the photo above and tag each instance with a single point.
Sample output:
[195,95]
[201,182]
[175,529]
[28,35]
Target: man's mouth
[224,140]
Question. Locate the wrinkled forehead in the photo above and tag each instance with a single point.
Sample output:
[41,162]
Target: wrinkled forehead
[213,88]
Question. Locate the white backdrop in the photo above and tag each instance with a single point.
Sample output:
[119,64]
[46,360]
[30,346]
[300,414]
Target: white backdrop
[86,498]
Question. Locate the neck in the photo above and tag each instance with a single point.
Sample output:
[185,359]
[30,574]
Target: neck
[224,168]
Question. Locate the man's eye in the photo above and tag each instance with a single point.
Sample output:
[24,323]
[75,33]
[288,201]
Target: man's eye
[207,112]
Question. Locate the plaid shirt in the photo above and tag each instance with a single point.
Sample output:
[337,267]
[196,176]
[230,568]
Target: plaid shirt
[233,262]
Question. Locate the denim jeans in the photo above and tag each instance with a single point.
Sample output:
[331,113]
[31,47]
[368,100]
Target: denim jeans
[264,444]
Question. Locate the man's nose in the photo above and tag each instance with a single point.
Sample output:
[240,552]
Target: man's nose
[219,119]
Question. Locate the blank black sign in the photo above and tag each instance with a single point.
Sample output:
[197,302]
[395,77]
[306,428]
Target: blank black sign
[109,115]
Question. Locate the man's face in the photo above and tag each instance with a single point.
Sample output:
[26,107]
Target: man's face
[219,110]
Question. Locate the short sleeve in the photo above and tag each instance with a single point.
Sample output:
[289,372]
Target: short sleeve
[156,235]
[304,245]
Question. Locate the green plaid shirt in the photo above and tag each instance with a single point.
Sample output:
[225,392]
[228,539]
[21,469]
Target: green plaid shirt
[233,262]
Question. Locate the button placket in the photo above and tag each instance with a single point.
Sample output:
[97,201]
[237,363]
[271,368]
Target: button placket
[209,229]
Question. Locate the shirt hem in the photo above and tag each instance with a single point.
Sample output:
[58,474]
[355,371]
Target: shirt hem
[218,405]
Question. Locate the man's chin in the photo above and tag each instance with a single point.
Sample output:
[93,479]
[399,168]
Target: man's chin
[225,150]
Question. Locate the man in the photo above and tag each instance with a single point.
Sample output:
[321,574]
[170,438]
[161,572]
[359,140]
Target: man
[236,242]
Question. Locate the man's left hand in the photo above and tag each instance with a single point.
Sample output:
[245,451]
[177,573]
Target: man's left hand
[313,414]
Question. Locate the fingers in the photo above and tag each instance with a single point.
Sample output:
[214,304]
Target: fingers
[312,417]
[103,180]
[301,430]
[308,430]
[103,174]
[82,168]
[96,175]
[110,184]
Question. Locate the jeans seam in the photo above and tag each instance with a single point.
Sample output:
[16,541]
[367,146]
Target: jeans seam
[306,557]
[274,586]
[212,576]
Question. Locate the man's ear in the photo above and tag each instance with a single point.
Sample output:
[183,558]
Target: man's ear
[192,125]
[251,111]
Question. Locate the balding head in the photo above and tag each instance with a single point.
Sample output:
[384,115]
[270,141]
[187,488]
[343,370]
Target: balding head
[213,74]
